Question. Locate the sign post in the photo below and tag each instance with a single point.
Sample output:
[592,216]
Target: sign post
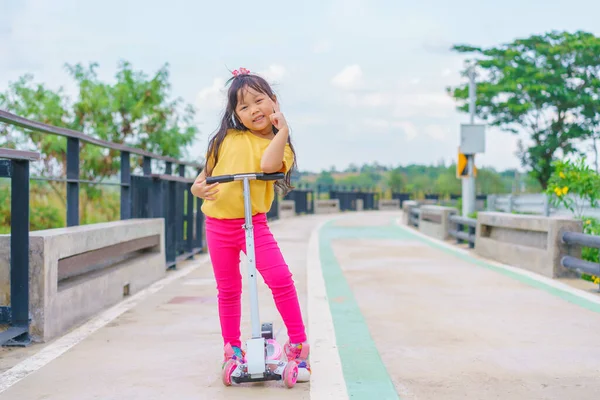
[472,141]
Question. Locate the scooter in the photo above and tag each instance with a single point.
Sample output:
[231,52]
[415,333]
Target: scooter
[263,353]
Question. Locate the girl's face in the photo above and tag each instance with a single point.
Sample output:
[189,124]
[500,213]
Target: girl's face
[253,110]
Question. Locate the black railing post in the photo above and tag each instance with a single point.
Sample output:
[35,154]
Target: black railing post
[180,200]
[147,166]
[72,181]
[459,228]
[125,185]
[19,250]
[171,214]
[199,224]
[471,237]
[189,218]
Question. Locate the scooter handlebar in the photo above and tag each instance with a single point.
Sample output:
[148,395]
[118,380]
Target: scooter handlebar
[239,177]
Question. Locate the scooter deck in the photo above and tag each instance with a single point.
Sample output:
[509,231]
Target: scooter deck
[270,376]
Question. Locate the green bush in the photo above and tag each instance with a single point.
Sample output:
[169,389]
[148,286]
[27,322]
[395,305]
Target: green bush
[47,209]
[573,180]
[591,226]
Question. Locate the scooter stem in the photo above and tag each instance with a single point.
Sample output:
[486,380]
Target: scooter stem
[250,255]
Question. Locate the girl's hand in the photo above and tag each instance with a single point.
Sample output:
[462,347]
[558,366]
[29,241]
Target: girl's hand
[205,192]
[277,118]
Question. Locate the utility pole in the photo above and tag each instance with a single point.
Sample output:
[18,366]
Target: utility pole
[468,182]
[472,141]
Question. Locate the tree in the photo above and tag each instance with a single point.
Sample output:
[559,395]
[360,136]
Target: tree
[447,183]
[591,115]
[540,85]
[134,110]
[490,182]
[325,179]
[396,180]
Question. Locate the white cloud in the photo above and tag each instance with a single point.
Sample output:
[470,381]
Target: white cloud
[446,72]
[349,77]
[430,104]
[434,131]
[274,73]
[410,130]
[212,97]
[322,46]
[309,119]
[438,132]
[377,123]
[377,99]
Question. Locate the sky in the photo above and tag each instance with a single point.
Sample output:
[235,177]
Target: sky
[359,81]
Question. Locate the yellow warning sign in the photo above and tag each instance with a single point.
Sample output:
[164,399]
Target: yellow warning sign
[462,166]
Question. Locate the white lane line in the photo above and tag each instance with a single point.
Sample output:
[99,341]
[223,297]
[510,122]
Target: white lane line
[60,346]
[327,378]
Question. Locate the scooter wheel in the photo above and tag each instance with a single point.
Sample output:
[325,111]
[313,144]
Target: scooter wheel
[228,369]
[290,374]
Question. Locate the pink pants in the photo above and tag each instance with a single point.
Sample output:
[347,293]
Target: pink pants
[225,239]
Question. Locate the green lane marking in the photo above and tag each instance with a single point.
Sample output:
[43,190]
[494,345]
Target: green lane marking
[364,372]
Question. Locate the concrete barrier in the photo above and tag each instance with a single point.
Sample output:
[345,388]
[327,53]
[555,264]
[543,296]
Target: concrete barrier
[78,271]
[389,205]
[434,221]
[287,209]
[530,242]
[407,206]
[360,205]
[327,206]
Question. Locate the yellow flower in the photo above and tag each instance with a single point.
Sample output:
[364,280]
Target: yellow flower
[565,190]
[557,191]
[562,175]
[597,281]
[588,222]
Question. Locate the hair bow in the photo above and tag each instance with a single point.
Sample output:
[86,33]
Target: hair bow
[241,71]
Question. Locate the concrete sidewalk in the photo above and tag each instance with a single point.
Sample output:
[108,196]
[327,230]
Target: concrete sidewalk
[168,345]
[391,314]
[442,324]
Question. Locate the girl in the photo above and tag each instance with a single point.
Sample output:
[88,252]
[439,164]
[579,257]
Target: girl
[253,137]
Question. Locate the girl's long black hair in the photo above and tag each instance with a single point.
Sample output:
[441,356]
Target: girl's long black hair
[231,121]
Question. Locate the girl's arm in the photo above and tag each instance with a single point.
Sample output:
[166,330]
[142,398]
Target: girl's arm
[201,189]
[272,158]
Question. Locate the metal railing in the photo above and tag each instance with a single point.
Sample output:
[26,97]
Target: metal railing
[304,200]
[141,196]
[537,204]
[14,165]
[414,217]
[168,199]
[348,197]
[577,264]
[459,233]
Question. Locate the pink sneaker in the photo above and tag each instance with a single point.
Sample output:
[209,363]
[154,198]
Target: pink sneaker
[233,352]
[299,352]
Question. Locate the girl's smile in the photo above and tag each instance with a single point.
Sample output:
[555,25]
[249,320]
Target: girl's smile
[253,110]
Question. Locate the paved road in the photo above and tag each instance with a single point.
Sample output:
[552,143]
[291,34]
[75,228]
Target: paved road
[391,315]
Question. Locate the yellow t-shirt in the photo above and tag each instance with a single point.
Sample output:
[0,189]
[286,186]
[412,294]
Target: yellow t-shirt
[241,152]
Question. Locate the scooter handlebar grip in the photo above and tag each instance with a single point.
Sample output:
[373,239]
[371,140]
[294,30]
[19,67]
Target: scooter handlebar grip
[219,179]
[270,177]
